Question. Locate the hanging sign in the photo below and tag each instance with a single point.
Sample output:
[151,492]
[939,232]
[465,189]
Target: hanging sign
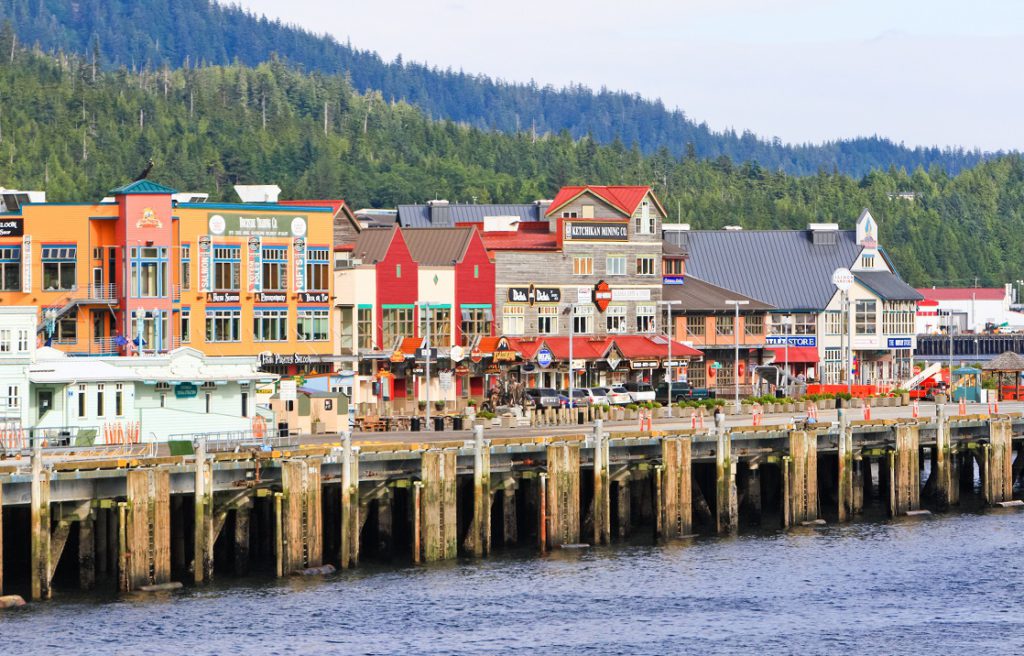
[205,264]
[462,370]
[504,352]
[644,364]
[456,353]
[255,272]
[299,246]
[445,380]
[398,356]
[26,264]
[842,279]
[287,390]
[602,295]
[545,357]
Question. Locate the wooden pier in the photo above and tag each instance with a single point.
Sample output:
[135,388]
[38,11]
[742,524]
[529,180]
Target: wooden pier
[130,523]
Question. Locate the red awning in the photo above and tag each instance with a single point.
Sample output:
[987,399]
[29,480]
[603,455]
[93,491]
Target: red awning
[797,354]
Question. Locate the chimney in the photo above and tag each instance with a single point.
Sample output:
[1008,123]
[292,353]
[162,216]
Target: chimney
[440,214]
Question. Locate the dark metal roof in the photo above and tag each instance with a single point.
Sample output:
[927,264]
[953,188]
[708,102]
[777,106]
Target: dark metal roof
[418,216]
[372,244]
[701,296]
[668,249]
[780,267]
[437,246]
[887,285]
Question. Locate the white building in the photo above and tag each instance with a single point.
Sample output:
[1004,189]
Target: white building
[967,309]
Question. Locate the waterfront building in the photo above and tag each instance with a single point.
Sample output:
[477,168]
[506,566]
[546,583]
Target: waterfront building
[967,310]
[148,269]
[792,271]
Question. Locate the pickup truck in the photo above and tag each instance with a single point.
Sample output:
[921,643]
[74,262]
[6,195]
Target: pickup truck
[680,392]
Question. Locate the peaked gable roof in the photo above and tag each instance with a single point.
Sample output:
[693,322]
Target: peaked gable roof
[702,296]
[887,285]
[438,246]
[373,244]
[141,187]
[623,198]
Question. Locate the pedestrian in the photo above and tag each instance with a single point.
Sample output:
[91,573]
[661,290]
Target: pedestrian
[718,413]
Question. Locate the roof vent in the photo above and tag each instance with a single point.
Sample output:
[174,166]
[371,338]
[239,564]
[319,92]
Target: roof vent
[823,226]
[824,234]
[258,193]
[501,223]
[675,227]
[732,227]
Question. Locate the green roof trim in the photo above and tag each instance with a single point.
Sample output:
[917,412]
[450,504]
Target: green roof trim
[142,187]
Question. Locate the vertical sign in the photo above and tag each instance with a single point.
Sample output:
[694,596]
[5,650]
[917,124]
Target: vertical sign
[255,273]
[299,244]
[205,256]
[26,264]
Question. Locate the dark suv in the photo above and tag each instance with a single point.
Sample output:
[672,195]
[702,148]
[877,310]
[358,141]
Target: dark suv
[543,397]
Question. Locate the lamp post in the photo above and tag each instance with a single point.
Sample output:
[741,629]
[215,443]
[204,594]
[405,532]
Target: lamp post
[736,362]
[425,307]
[671,329]
[571,310]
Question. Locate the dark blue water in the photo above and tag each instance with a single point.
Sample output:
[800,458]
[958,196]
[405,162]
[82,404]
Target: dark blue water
[944,584]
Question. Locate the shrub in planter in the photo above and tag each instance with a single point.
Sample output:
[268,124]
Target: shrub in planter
[439,406]
[422,405]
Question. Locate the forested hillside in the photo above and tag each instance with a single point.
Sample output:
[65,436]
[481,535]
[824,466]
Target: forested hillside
[140,34]
[78,133]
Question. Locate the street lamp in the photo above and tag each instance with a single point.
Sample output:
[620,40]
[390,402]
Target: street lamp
[571,309]
[736,361]
[671,329]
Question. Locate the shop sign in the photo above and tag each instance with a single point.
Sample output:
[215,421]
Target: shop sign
[475,355]
[26,264]
[631,294]
[675,363]
[899,343]
[528,368]
[545,357]
[233,224]
[716,365]
[602,295]
[272,297]
[444,379]
[792,340]
[12,227]
[673,280]
[314,297]
[299,246]
[417,369]
[462,370]
[533,294]
[287,390]
[223,297]
[644,364]
[504,352]
[426,353]
[148,220]
[584,294]
[613,360]
[398,356]
[492,369]
[456,353]
[288,358]
[185,391]
[254,275]
[865,342]
[205,264]
[842,279]
[597,230]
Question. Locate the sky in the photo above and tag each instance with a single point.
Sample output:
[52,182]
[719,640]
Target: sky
[937,72]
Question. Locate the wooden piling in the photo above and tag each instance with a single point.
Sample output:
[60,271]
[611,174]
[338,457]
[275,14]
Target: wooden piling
[905,471]
[417,530]
[123,577]
[349,556]
[676,487]
[602,495]
[786,493]
[241,539]
[510,526]
[845,505]
[480,531]
[439,501]
[942,463]
[803,476]
[752,493]
[303,521]
[624,505]
[563,501]
[203,538]
[279,546]
[86,553]
[41,566]
[727,507]
[542,513]
[1,539]
[148,533]
[997,474]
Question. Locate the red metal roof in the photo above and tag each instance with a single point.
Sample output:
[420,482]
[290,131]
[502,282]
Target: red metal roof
[635,347]
[520,241]
[963,293]
[624,198]
[595,348]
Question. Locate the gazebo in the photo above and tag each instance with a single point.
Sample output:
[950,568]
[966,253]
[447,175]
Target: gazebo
[1008,362]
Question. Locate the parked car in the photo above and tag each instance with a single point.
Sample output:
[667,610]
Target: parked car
[640,392]
[580,396]
[596,395]
[680,392]
[618,395]
[543,397]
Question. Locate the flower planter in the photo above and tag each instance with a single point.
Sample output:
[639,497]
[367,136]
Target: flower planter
[631,415]
[790,407]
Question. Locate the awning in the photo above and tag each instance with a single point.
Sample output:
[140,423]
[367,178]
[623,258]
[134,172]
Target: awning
[797,354]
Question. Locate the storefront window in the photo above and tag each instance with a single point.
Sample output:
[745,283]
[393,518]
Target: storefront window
[583,319]
[547,320]
[397,322]
[645,319]
[186,267]
[223,325]
[476,322]
[318,270]
[753,324]
[186,324]
[723,325]
[149,272]
[804,324]
[616,265]
[66,329]
[582,265]
[227,268]
[646,266]
[695,325]
[440,325]
[364,321]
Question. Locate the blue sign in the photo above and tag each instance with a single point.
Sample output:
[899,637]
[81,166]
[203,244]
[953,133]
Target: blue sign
[673,280]
[792,340]
[900,342]
[545,357]
[185,391]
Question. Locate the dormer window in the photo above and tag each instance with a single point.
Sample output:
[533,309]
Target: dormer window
[867,261]
[570,215]
[643,219]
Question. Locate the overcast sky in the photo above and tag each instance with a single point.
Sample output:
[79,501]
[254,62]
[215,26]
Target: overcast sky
[936,72]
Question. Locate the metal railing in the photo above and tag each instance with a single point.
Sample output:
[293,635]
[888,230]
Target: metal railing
[236,441]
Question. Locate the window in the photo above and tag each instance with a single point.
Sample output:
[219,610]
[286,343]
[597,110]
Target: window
[440,325]
[149,272]
[588,211]
[364,324]
[582,265]
[643,220]
[22,341]
[753,324]
[275,268]
[318,269]
[5,341]
[835,323]
[645,318]
[208,399]
[223,325]
[476,322]
[81,400]
[66,330]
[616,265]
[723,325]
[151,329]
[13,397]
[186,267]
[186,324]
[832,366]
[864,318]
[119,399]
[99,400]
[805,324]
[270,325]
[782,324]
[397,322]
[583,319]
[868,261]
[513,320]
[10,269]
[570,215]
[60,268]
[227,268]
[645,266]
[312,325]
[616,318]
[696,325]
[476,270]
[898,319]
[547,320]
[398,270]
[672,267]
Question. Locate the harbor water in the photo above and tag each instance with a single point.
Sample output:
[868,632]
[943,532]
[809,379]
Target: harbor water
[939,584]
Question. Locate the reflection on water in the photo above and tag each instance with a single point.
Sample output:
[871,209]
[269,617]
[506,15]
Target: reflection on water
[946,584]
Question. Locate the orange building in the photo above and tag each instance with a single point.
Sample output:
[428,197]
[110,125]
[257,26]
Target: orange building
[144,273]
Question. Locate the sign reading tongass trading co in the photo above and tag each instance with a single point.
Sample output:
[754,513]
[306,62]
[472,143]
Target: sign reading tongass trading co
[597,230]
